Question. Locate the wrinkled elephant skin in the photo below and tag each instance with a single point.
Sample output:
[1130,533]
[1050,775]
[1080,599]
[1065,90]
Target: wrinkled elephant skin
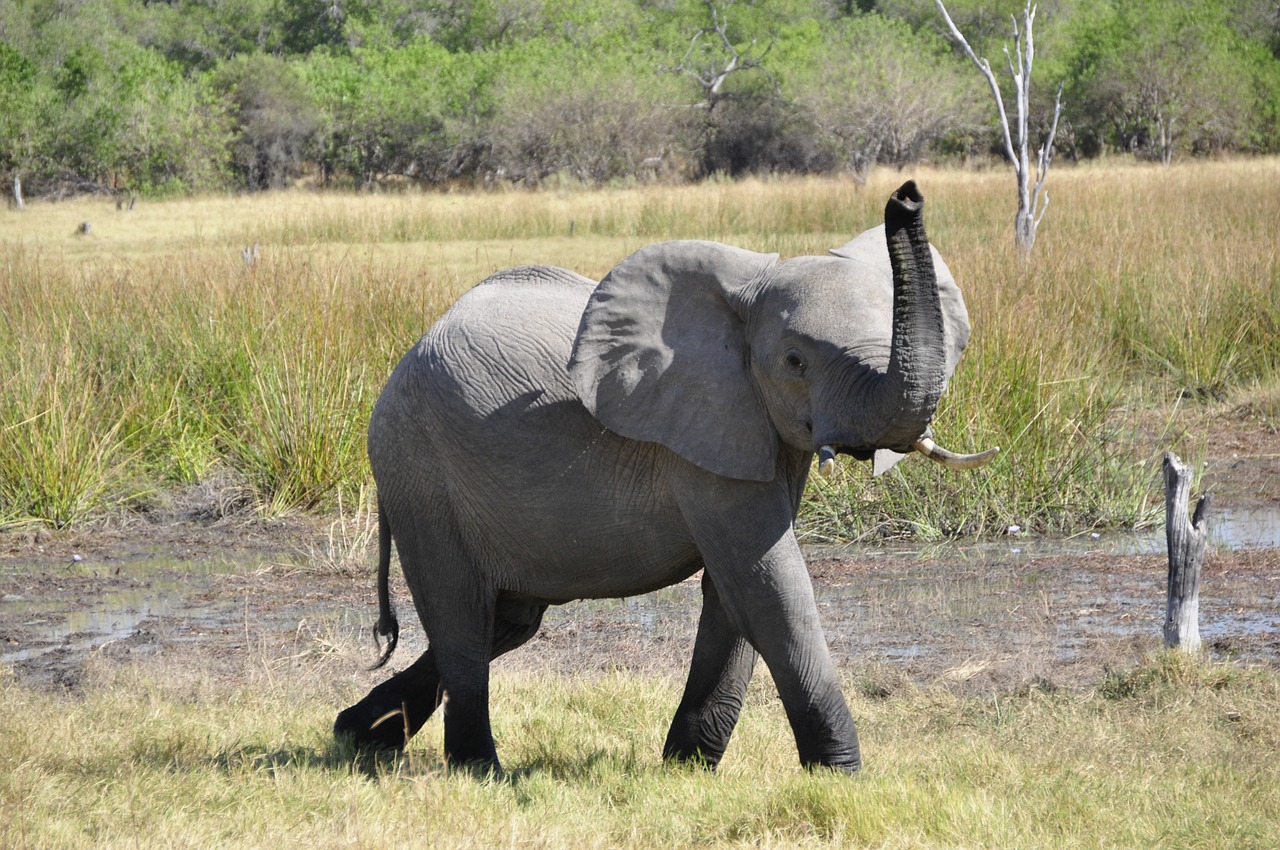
[552,439]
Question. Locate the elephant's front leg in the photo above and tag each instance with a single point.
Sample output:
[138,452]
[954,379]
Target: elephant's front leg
[718,678]
[744,532]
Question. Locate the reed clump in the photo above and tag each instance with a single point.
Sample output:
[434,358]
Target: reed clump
[158,348]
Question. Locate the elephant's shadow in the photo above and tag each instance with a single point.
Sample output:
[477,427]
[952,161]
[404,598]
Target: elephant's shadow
[343,754]
[340,755]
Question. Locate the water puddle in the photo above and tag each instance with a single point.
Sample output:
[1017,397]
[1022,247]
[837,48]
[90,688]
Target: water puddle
[120,616]
[86,606]
[1234,529]
[1255,527]
[1016,599]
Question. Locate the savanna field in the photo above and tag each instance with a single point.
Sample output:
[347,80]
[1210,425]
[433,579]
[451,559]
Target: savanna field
[234,346]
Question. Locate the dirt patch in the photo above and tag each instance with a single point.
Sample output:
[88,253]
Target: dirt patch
[998,615]
[968,620]
[1240,448]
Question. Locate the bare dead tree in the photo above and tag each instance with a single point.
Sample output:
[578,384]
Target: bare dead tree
[1187,540]
[1030,194]
[17,191]
[712,58]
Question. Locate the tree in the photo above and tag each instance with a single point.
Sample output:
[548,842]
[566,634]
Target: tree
[277,121]
[1166,77]
[23,119]
[403,111]
[714,56]
[596,110]
[201,34]
[601,127]
[172,132]
[1030,194]
[879,92]
[746,125]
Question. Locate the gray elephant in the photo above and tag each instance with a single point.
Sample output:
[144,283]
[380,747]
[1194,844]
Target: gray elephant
[552,439]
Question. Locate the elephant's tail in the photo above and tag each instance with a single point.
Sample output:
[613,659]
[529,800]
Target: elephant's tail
[388,626]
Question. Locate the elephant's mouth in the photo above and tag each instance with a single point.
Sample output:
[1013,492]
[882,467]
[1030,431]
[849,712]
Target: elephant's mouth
[827,453]
[925,445]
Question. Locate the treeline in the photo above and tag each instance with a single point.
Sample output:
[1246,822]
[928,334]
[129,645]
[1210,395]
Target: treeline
[174,96]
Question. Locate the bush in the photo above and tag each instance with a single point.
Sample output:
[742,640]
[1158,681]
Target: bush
[762,135]
[570,114]
[409,111]
[277,122]
[878,92]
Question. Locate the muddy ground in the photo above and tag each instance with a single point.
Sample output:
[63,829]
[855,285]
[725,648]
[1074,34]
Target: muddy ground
[999,615]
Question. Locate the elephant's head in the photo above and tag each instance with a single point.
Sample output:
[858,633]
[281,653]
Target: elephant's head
[717,352]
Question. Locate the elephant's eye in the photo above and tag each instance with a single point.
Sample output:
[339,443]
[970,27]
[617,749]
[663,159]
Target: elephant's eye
[795,363]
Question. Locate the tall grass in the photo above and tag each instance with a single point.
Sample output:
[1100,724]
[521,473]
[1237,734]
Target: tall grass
[1172,754]
[149,354]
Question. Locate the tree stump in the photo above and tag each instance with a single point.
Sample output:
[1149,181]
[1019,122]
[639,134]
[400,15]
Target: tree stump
[1187,540]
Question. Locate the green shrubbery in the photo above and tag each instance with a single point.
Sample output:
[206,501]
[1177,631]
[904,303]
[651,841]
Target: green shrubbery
[199,94]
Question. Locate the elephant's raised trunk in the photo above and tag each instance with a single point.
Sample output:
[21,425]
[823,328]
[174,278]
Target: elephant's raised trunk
[901,403]
[909,391]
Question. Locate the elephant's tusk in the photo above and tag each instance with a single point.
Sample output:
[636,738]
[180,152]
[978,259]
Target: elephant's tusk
[935,452]
[826,461]
[395,712]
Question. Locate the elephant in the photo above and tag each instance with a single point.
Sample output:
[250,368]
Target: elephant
[552,439]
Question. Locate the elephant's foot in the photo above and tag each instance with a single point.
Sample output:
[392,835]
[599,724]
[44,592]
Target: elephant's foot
[844,758]
[468,742]
[394,711]
[847,768]
[477,768]
[697,743]
[695,758]
[371,724]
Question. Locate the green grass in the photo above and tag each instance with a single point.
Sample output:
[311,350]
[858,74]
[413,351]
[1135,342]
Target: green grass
[1176,753]
[149,355]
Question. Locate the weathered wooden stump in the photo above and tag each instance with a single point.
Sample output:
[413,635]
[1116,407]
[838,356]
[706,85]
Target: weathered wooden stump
[1187,540]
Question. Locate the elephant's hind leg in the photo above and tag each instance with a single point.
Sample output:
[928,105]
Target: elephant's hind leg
[456,605]
[395,710]
[464,672]
[718,676]
[468,739]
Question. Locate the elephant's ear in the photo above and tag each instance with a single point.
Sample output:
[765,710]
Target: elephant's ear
[870,247]
[661,355]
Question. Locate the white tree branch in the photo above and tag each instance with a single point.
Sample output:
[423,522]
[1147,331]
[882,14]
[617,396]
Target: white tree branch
[1045,156]
[712,79]
[985,67]
[1032,201]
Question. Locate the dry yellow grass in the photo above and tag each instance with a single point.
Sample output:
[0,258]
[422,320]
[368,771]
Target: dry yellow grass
[1175,754]
[1146,284]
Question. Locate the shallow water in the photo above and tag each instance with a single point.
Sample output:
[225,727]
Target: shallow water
[1015,601]
[1233,529]
[149,589]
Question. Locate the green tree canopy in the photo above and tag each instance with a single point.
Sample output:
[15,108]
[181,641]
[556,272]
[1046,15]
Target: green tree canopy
[185,95]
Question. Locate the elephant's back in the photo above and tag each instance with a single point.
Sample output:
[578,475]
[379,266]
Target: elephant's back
[488,380]
[508,338]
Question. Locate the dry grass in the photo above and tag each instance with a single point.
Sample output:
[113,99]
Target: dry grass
[161,354]
[1175,753]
